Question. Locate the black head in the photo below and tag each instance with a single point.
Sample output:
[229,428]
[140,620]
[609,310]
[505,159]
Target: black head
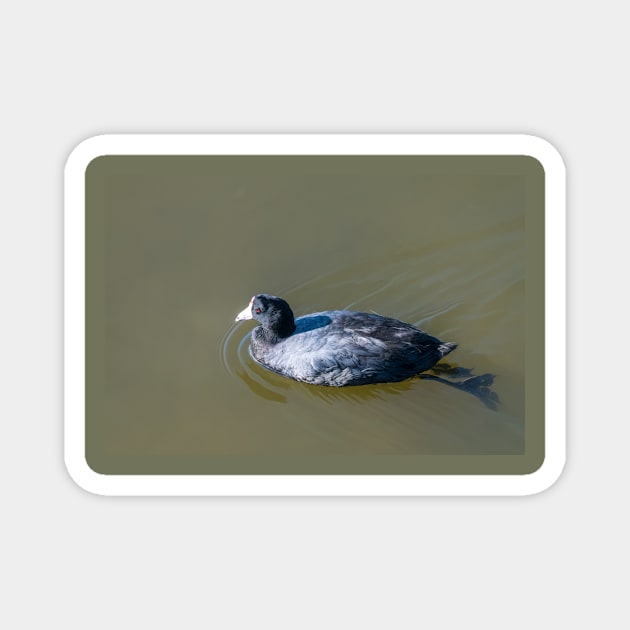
[272,312]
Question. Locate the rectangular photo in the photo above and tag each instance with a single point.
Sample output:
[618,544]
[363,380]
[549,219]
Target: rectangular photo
[308,315]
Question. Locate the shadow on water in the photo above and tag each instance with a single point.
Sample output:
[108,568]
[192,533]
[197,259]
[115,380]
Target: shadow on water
[359,393]
[478,386]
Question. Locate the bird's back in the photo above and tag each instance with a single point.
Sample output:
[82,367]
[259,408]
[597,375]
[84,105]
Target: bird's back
[338,348]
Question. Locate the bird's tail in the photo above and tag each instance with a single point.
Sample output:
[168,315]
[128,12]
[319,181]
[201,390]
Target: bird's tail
[446,347]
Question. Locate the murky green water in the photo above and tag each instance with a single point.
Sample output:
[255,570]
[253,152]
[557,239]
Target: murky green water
[183,254]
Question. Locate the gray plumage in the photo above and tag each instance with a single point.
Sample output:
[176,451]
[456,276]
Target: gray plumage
[339,348]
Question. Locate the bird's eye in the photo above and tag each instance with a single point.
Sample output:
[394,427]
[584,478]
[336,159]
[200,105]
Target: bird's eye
[258,310]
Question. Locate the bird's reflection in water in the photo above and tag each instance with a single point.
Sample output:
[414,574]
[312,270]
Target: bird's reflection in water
[269,383]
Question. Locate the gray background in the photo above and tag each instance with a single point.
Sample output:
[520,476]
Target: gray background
[71,71]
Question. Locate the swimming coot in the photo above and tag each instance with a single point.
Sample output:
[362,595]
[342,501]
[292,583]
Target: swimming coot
[338,348]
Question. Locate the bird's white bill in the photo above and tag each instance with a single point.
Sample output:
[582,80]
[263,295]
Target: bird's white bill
[246,313]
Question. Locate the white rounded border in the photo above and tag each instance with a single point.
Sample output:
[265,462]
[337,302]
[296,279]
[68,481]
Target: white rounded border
[315,144]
